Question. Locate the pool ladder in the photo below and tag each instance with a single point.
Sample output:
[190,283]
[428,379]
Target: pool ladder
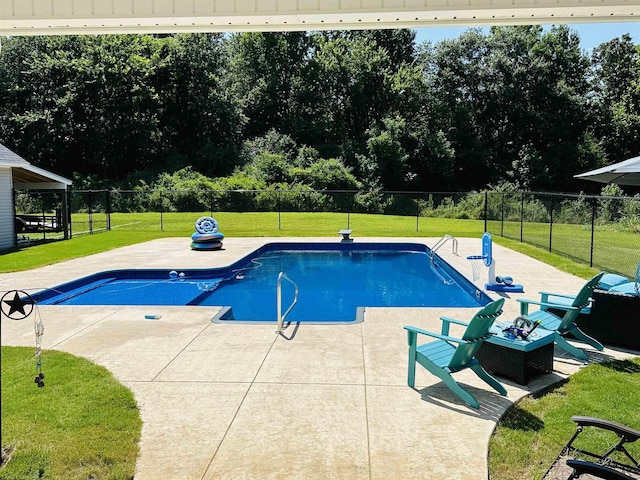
[454,249]
[283,316]
[442,241]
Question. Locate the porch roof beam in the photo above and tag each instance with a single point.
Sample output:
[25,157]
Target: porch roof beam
[55,17]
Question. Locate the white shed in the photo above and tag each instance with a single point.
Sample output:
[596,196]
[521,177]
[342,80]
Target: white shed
[17,174]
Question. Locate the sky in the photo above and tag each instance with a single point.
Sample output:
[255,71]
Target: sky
[591,34]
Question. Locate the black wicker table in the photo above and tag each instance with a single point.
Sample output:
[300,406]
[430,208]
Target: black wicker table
[518,360]
[614,319]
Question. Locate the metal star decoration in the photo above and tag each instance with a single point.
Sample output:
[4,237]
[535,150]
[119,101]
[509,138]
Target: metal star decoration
[17,304]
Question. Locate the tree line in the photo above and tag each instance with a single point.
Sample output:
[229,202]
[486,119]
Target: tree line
[518,106]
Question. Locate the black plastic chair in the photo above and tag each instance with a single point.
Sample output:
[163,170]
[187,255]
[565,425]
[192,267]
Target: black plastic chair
[599,465]
[625,435]
[580,467]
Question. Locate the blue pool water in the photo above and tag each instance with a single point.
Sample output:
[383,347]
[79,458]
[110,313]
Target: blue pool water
[334,280]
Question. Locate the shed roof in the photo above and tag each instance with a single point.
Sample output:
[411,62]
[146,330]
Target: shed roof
[26,176]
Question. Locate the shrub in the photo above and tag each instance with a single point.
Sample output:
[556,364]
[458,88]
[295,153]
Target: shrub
[577,211]
[292,198]
[611,208]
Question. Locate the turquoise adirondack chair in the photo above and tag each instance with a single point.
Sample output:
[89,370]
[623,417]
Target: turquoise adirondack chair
[566,323]
[448,355]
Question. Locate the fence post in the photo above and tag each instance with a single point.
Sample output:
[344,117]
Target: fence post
[44,223]
[502,217]
[521,214]
[108,202]
[69,211]
[161,212]
[486,209]
[417,214]
[351,204]
[279,212]
[593,228]
[551,224]
[66,225]
[90,215]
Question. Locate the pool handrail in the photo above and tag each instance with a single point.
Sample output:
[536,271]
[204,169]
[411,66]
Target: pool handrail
[281,316]
[442,241]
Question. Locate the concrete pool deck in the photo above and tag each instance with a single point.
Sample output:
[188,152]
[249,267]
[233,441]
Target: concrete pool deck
[222,401]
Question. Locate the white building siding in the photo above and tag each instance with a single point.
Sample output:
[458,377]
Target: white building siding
[7,221]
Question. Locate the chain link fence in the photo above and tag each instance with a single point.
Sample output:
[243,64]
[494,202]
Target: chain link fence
[94,211]
[603,232]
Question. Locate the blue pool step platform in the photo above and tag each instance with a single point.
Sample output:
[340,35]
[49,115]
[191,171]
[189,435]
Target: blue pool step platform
[501,287]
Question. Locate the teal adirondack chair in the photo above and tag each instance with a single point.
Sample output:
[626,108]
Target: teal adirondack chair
[566,324]
[448,355]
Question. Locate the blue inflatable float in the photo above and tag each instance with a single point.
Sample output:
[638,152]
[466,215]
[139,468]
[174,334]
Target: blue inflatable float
[206,225]
[207,236]
[206,246]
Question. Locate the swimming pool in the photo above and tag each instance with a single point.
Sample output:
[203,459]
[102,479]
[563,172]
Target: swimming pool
[336,281]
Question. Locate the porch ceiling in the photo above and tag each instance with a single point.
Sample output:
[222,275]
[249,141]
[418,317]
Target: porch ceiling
[30,177]
[53,17]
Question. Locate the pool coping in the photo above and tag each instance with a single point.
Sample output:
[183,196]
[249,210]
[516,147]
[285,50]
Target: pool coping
[220,402]
[225,316]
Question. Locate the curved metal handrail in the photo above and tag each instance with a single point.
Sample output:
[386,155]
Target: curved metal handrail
[442,241]
[282,316]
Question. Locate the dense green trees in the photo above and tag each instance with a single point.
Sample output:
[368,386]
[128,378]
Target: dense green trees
[617,102]
[325,110]
[517,102]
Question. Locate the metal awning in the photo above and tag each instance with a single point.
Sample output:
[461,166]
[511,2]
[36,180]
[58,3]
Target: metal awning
[621,173]
[53,17]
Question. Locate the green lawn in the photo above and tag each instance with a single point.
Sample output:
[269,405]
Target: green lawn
[531,434]
[81,425]
[130,228]
[258,224]
[613,250]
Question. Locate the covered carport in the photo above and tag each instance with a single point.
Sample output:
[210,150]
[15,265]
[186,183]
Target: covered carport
[16,174]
